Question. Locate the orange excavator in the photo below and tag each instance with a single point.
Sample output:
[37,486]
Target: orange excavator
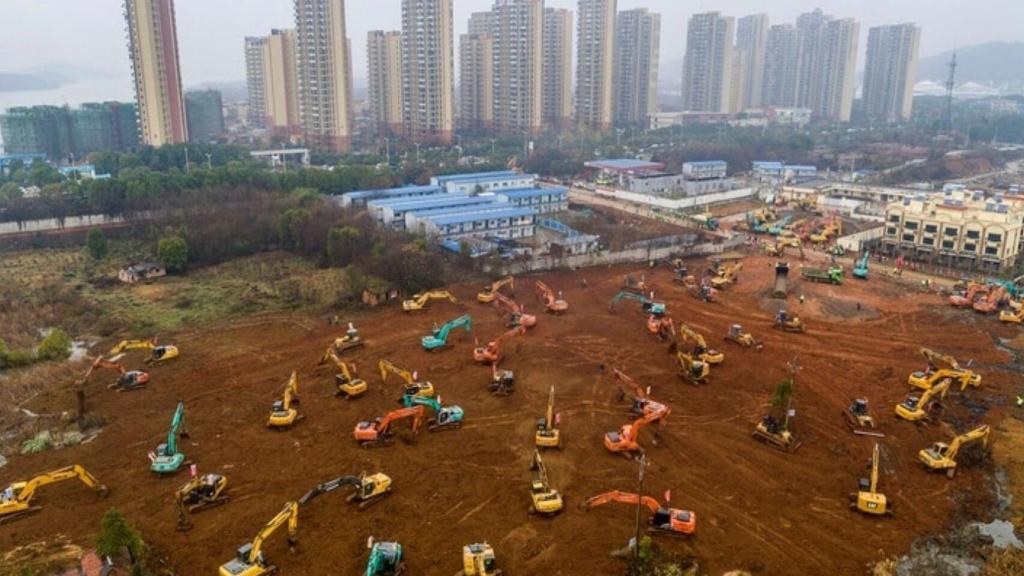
[380,432]
[662,326]
[552,303]
[992,301]
[627,438]
[492,352]
[670,521]
[516,315]
[966,299]
[126,379]
[642,403]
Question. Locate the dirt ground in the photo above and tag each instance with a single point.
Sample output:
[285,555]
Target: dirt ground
[758,509]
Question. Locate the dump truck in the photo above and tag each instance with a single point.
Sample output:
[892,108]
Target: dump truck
[833,275]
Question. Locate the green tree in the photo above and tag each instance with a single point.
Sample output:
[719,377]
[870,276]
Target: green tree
[10,191]
[290,228]
[343,244]
[116,535]
[782,393]
[96,244]
[56,346]
[172,251]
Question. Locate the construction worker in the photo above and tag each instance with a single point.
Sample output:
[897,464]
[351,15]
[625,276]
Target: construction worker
[1020,400]
[801,298]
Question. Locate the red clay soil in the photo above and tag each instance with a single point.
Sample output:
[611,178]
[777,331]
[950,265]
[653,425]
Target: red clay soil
[758,509]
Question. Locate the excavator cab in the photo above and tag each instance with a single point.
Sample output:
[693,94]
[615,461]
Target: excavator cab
[772,432]
[503,382]
[787,323]
[673,521]
[198,494]
[371,489]
[547,435]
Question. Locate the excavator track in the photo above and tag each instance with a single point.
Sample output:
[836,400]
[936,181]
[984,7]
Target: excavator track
[220,501]
[19,515]
[433,426]
[664,532]
[370,444]
[364,504]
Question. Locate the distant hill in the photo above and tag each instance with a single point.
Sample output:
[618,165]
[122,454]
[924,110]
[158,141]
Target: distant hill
[992,63]
[18,82]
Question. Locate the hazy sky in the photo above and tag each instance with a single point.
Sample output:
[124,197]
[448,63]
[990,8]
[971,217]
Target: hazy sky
[90,34]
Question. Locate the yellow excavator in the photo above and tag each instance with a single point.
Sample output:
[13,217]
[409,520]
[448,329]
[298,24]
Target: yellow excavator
[545,499]
[693,370]
[488,294]
[479,560]
[249,560]
[788,323]
[347,384]
[934,374]
[548,436]
[157,353]
[727,276]
[201,492]
[350,341]
[700,350]
[868,499]
[16,499]
[942,456]
[916,408]
[419,301]
[369,488]
[282,413]
[413,387]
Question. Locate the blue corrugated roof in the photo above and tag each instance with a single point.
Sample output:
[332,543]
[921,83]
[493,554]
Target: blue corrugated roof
[768,165]
[385,192]
[530,192]
[448,210]
[401,204]
[802,167]
[472,216]
[706,163]
[501,175]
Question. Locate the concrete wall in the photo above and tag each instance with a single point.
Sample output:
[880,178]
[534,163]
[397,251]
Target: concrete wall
[606,258]
[677,204]
[855,242]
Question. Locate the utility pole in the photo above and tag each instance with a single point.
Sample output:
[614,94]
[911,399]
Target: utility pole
[188,166]
[639,496]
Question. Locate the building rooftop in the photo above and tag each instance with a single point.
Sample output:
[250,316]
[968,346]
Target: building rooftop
[474,176]
[768,165]
[430,213]
[474,216]
[385,192]
[625,165]
[710,163]
[530,192]
[434,200]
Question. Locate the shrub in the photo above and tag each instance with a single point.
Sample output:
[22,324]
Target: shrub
[172,252]
[56,346]
[96,244]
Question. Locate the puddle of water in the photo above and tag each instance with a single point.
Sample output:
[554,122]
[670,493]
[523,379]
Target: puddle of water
[1002,534]
[79,350]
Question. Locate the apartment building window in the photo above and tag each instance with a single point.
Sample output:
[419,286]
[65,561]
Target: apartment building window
[931,228]
[928,241]
[890,231]
[951,232]
[970,247]
[947,244]
[894,218]
[973,234]
[995,237]
[992,250]
[908,237]
[910,225]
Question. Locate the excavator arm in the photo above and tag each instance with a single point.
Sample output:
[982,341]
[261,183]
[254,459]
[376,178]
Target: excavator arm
[414,412]
[330,486]
[979,433]
[61,474]
[288,515]
[291,390]
[623,498]
[177,427]
[934,358]
[630,383]
[939,390]
[386,367]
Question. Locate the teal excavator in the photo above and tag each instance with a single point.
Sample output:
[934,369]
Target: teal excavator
[860,269]
[445,417]
[385,559]
[649,305]
[167,459]
[439,338]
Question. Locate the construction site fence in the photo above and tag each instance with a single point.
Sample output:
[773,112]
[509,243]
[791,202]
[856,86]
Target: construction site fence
[608,258]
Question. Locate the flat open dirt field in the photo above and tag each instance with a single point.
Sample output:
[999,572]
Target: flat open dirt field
[758,509]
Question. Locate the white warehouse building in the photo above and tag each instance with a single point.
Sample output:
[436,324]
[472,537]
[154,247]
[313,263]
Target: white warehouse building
[508,224]
[477,182]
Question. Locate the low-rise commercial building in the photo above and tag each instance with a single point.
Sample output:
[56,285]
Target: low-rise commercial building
[959,228]
[543,200]
[781,172]
[359,198]
[391,212]
[478,182]
[509,224]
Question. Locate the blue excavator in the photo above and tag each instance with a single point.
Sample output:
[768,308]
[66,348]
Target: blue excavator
[167,459]
[385,559]
[439,338]
[445,417]
[649,306]
[860,268]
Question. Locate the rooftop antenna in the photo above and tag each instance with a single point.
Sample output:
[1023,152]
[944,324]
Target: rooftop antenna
[947,112]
